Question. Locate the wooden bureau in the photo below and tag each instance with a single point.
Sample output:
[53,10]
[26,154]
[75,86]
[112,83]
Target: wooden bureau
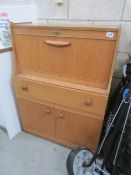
[62,80]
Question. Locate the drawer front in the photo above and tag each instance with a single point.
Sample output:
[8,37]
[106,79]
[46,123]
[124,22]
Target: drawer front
[36,118]
[77,129]
[81,100]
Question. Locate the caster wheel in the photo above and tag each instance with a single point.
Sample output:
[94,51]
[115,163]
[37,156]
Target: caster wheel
[75,160]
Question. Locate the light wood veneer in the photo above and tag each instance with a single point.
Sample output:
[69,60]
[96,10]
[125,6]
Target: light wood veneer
[62,79]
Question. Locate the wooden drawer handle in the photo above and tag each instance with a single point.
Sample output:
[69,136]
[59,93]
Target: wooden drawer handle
[48,111]
[88,102]
[24,88]
[57,43]
[61,116]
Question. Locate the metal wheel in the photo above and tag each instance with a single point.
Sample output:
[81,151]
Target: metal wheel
[76,159]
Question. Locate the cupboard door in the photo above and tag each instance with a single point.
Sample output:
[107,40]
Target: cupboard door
[74,129]
[46,124]
[37,119]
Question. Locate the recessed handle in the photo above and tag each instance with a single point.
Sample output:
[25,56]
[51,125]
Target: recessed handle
[24,88]
[88,102]
[57,43]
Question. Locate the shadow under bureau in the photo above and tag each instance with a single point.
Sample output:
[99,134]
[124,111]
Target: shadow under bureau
[62,80]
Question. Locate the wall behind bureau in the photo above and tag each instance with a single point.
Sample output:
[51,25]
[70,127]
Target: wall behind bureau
[87,12]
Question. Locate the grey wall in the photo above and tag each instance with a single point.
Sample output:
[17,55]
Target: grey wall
[87,12]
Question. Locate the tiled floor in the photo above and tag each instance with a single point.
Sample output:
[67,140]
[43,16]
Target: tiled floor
[29,155]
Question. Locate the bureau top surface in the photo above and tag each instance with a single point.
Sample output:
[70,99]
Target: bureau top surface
[68,27]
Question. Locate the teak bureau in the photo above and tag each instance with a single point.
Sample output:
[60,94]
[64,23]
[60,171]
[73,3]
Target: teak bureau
[62,80]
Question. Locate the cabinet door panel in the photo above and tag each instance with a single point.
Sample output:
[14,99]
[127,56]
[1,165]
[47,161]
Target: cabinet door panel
[80,60]
[78,130]
[37,119]
[46,126]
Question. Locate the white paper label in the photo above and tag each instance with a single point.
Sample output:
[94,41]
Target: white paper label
[110,34]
